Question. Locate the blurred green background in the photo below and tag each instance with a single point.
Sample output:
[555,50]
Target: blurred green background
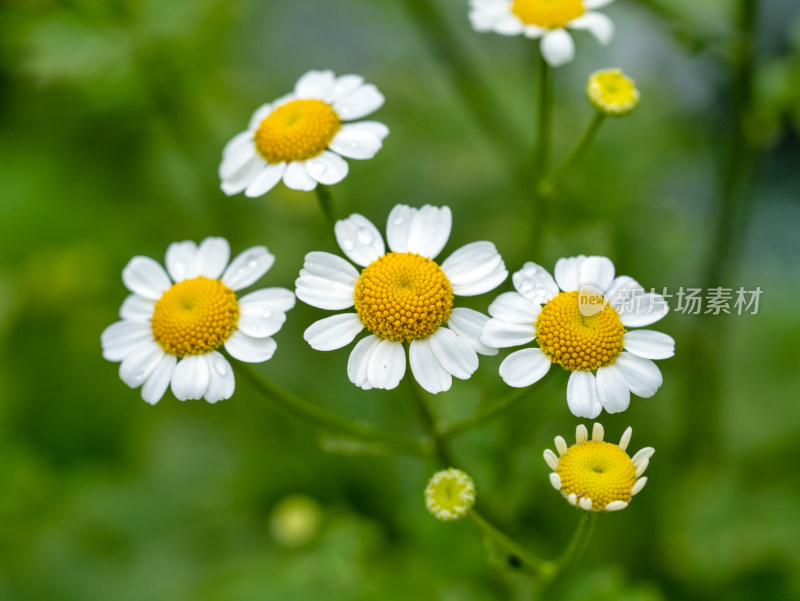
[113,117]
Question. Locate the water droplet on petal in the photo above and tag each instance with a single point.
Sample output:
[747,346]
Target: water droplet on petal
[317,167]
[221,368]
[348,244]
[364,236]
[266,314]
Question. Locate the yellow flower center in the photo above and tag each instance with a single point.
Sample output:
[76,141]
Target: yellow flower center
[296,131]
[601,471]
[577,341]
[194,317]
[403,296]
[611,92]
[450,494]
[551,14]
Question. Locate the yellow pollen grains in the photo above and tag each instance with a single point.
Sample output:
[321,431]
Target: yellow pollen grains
[403,297]
[194,317]
[611,93]
[550,14]
[296,131]
[575,341]
[597,470]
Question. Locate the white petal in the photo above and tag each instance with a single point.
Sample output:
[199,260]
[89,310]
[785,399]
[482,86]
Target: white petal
[248,267]
[145,277]
[601,26]
[551,460]
[344,85]
[358,362]
[118,338]
[535,283]
[567,272]
[508,25]
[622,290]
[136,308]
[265,180]
[140,363]
[474,269]
[258,116]
[248,349]
[616,506]
[268,299]
[221,382]
[240,180]
[612,389]
[585,503]
[523,368]
[296,177]
[359,239]
[212,257]
[423,231]
[498,333]
[469,324]
[581,434]
[561,445]
[557,47]
[181,260]
[239,141]
[643,310]
[555,479]
[637,488]
[359,140]
[324,293]
[514,308]
[159,379]
[331,267]
[534,32]
[626,438]
[642,455]
[642,375]
[454,353]
[190,378]
[237,159]
[649,344]
[359,103]
[592,4]
[598,432]
[597,272]
[333,332]
[387,365]
[315,84]
[260,323]
[426,369]
[582,397]
[327,168]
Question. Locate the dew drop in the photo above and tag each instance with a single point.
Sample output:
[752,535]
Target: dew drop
[317,167]
[348,244]
[364,236]
[220,368]
[266,314]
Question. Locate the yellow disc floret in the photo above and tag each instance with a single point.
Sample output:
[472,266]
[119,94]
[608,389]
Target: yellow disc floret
[450,495]
[597,470]
[403,297]
[550,14]
[195,317]
[296,131]
[612,93]
[577,341]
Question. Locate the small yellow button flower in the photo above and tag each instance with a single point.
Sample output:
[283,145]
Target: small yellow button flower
[612,93]
[596,475]
[450,495]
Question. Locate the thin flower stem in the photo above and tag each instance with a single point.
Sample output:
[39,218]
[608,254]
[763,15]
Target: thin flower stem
[325,419]
[326,203]
[517,554]
[541,156]
[554,180]
[485,414]
[574,550]
[428,419]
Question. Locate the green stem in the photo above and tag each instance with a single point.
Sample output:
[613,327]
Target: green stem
[325,198]
[517,554]
[484,414]
[579,542]
[551,183]
[541,156]
[428,419]
[325,419]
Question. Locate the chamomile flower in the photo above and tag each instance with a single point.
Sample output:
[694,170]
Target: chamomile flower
[547,20]
[302,137]
[595,475]
[450,495]
[579,321]
[612,93]
[401,296]
[175,321]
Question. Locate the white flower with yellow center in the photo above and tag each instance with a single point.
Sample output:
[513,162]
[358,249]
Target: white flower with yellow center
[595,475]
[401,296]
[579,321]
[173,325]
[450,495]
[547,20]
[302,137]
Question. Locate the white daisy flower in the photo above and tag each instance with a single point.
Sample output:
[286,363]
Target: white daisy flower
[547,20]
[401,296]
[579,321]
[172,325]
[302,137]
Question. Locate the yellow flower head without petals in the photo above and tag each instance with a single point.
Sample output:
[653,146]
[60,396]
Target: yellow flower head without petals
[450,495]
[612,93]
